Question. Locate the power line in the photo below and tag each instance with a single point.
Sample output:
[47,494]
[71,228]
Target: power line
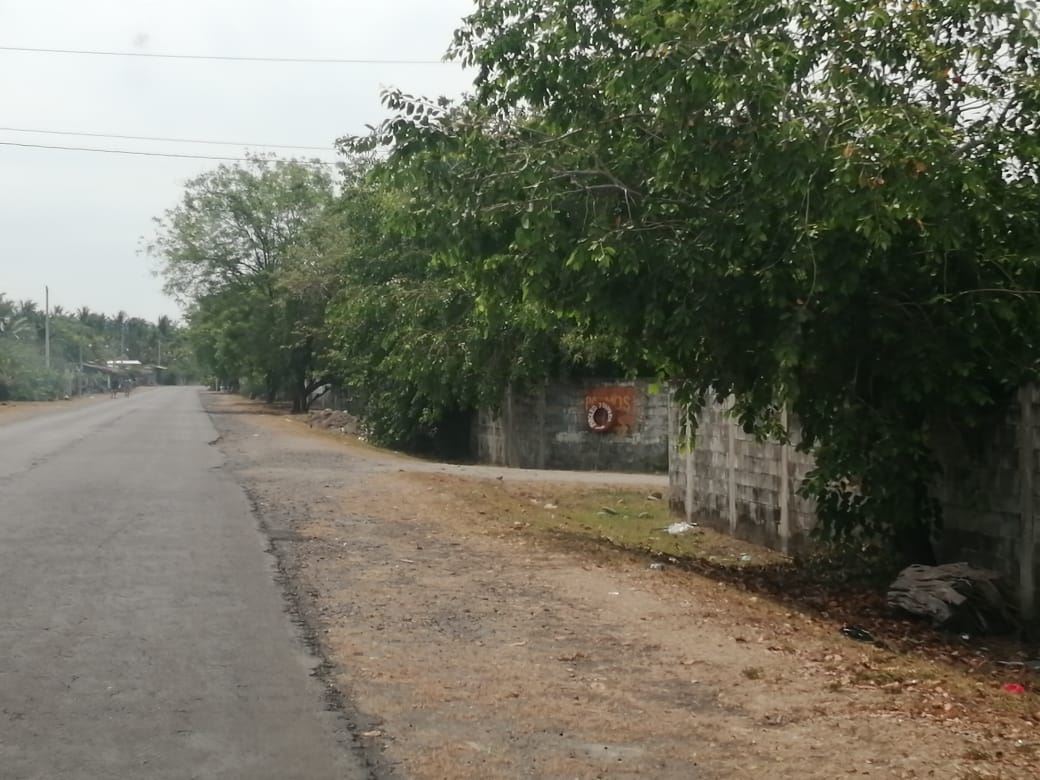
[225,58]
[163,138]
[148,154]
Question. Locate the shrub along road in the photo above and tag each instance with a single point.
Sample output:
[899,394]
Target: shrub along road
[473,632]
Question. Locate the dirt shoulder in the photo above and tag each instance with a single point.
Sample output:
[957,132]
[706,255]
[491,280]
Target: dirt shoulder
[13,411]
[475,634]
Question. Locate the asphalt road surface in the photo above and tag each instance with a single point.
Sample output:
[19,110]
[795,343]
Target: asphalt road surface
[142,633]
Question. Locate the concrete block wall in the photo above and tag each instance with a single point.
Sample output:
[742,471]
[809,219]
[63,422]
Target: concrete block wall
[727,480]
[511,436]
[990,496]
[547,427]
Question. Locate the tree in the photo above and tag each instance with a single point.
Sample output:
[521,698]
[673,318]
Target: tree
[82,336]
[236,234]
[825,205]
[11,323]
[416,346]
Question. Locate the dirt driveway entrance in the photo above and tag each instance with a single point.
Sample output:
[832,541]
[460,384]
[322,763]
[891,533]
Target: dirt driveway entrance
[465,646]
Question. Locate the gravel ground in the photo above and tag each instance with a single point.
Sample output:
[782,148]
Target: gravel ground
[465,648]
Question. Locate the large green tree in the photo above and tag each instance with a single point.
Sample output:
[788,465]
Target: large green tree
[825,204]
[228,252]
[412,341]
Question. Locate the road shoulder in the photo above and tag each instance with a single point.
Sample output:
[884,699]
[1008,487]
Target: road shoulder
[480,650]
[15,411]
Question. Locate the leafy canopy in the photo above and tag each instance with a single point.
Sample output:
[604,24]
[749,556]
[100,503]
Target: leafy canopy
[233,250]
[830,205]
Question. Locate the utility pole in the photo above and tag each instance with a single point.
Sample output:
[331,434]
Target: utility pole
[122,342]
[47,327]
[158,360]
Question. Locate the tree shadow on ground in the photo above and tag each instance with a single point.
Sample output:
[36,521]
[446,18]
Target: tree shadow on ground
[244,405]
[844,594]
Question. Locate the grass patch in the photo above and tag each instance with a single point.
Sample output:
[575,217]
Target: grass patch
[629,519]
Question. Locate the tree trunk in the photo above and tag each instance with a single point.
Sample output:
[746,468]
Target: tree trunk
[917,545]
[271,389]
[299,399]
[302,399]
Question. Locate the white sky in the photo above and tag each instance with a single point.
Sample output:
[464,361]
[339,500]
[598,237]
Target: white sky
[73,220]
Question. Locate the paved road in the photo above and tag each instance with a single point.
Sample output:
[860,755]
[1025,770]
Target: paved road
[142,634]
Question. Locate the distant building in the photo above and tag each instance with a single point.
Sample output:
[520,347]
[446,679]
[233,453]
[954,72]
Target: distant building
[142,373]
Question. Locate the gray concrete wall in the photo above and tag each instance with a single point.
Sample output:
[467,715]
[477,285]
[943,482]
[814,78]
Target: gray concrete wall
[990,497]
[725,479]
[547,427]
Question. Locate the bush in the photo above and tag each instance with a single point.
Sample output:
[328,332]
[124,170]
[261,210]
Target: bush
[23,376]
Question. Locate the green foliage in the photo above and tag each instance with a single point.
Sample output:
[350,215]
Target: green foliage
[76,336]
[410,340]
[234,251]
[829,205]
[292,287]
[23,376]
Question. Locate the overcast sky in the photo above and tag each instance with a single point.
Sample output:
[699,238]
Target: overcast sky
[73,220]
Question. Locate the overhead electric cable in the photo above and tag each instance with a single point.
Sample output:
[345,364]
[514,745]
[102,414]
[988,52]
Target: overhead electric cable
[148,154]
[226,58]
[164,138]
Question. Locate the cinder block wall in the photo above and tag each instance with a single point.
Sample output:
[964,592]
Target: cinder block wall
[990,494]
[729,481]
[547,427]
[726,479]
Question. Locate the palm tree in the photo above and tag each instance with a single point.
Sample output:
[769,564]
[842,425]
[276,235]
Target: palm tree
[31,318]
[6,309]
[12,323]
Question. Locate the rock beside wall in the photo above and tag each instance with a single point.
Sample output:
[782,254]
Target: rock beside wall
[954,596]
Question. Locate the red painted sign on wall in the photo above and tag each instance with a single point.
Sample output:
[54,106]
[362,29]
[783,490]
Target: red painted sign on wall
[620,399]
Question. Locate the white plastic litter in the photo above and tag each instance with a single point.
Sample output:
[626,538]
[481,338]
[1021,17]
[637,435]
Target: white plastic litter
[676,529]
